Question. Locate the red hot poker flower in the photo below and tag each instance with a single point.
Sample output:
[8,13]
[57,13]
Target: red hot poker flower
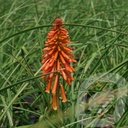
[57,61]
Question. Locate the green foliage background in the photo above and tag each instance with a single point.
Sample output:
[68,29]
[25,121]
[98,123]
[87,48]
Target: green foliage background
[99,32]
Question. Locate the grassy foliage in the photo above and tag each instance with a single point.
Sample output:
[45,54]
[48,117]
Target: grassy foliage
[99,32]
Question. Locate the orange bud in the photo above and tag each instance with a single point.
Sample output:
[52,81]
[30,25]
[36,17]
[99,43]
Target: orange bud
[69,75]
[55,84]
[49,86]
[58,65]
[63,93]
[64,75]
[62,59]
[55,102]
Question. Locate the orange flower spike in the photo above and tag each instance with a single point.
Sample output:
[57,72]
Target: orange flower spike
[57,61]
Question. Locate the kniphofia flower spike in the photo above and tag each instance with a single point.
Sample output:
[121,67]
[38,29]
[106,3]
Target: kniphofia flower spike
[57,61]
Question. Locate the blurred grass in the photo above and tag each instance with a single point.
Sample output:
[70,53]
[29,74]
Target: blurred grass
[98,30]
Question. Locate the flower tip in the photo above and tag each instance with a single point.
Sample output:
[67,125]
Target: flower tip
[74,61]
[47,91]
[55,102]
[58,23]
[64,101]
[55,108]
[42,76]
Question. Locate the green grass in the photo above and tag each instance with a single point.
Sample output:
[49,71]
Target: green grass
[98,31]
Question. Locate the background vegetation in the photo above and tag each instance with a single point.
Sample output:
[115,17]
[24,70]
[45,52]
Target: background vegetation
[99,32]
